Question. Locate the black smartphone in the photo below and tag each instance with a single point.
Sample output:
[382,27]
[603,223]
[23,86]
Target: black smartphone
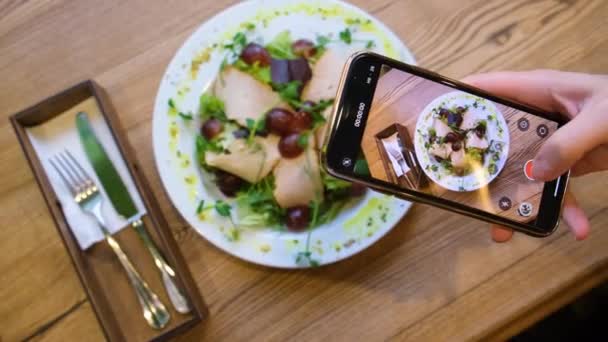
[412,133]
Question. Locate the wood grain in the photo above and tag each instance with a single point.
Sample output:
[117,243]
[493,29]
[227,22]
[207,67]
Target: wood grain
[435,276]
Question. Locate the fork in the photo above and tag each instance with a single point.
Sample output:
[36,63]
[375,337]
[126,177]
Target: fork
[399,157]
[87,196]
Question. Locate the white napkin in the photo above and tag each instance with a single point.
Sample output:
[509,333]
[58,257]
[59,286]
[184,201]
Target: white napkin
[391,143]
[59,134]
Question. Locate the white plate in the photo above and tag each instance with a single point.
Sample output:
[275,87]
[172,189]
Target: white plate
[361,224]
[497,134]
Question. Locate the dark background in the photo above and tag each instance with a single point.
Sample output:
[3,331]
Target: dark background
[584,319]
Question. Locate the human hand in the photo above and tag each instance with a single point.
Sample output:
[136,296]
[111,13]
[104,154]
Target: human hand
[580,146]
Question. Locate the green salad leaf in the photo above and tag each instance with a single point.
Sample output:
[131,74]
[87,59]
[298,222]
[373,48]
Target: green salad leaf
[346,36]
[290,92]
[280,46]
[238,43]
[329,211]
[303,139]
[305,259]
[475,154]
[331,183]
[203,146]
[322,41]
[257,205]
[211,107]
[222,208]
[185,116]
[261,74]
[200,207]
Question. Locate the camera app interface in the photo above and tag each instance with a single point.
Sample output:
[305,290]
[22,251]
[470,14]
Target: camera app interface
[432,138]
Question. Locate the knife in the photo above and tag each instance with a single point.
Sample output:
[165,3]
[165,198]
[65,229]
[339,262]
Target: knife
[123,204]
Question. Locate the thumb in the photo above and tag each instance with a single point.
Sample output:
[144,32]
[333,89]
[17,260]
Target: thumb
[567,146]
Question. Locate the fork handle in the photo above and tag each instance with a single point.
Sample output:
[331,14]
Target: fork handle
[155,312]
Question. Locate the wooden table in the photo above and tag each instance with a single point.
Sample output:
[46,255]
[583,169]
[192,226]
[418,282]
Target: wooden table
[436,276]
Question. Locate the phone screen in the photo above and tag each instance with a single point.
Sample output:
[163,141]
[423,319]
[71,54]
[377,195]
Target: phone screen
[438,139]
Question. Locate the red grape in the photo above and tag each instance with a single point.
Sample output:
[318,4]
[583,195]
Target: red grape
[480,131]
[211,128]
[253,53]
[289,147]
[241,133]
[443,112]
[228,183]
[451,137]
[357,190]
[301,121]
[298,218]
[278,121]
[456,146]
[304,48]
[299,70]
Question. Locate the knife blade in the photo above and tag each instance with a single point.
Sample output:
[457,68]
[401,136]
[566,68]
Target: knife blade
[123,204]
[106,172]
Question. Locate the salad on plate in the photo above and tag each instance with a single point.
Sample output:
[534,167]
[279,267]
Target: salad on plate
[262,125]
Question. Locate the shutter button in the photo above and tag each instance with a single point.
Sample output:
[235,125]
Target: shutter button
[528,170]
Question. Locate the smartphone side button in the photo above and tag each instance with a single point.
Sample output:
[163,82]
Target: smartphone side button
[559,180]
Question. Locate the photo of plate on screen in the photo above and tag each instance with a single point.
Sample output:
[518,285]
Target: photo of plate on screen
[461,141]
[430,137]
[239,120]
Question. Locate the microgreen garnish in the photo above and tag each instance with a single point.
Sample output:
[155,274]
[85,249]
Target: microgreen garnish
[186,116]
[346,36]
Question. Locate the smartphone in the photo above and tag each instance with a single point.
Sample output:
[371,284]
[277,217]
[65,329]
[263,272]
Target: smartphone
[412,133]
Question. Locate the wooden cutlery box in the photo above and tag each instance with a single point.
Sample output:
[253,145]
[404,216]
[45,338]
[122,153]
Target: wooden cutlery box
[415,177]
[104,281]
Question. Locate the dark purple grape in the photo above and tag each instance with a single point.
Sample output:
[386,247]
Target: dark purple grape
[298,218]
[454,119]
[304,48]
[279,71]
[241,133]
[289,147]
[461,109]
[301,121]
[211,128]
[451,137]
[253,53]
[299,70]
[357,190]
[279,120]
[307,105]
[443,112]
[228,183]
[480,131]
[456,146]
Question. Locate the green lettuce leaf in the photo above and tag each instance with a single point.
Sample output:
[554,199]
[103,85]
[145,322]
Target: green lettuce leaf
[280,46]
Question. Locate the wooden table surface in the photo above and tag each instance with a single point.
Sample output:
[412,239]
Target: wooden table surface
[436,276]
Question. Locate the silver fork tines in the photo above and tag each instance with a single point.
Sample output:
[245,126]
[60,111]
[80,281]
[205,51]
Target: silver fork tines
[80,183]
[86,193]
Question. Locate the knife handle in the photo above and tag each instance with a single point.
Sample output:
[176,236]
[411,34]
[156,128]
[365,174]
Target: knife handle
[167,273]
[154,310]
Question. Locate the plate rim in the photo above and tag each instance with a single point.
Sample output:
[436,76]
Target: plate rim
[420,150]
[400,48]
